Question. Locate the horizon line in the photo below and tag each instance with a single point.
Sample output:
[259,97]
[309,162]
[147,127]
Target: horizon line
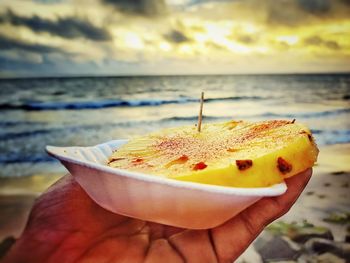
[170,75]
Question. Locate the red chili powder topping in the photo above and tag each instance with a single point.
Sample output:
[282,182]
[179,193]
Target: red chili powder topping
[183,158]
[283,165]
[138,160]
[268,125]
[244,164]
[171,143]
[200,166]
[259,130]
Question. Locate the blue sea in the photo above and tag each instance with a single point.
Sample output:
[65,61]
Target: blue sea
[90,110]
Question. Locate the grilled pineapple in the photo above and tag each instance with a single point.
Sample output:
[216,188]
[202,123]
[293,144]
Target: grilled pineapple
[234,153]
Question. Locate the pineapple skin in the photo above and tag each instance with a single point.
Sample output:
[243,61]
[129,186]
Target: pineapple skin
[236,154]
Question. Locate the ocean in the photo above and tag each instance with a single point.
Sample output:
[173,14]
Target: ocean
[91,110]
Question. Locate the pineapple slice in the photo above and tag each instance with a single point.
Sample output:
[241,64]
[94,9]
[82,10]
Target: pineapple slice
[234,153]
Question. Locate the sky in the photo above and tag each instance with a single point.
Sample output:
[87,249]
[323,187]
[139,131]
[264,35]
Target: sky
[157,37]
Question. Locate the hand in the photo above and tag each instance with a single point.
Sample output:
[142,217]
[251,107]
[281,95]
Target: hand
[65,225]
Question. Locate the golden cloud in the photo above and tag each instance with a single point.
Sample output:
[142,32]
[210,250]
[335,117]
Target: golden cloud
[267,34]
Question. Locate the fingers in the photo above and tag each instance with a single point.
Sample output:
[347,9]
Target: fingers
[63,191]
[116,249]
[268,209]
[232,238]
[65,205]
[194,246]
[161,251]
[63,181]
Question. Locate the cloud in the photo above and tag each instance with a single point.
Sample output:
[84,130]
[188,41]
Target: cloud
[316,7]
[22,56]
[176,36]
[48,1]
[292,13]
[46,32]
[216,46]
[287,15]
[140,7]
[200,2]
[317,41]
[66,27]
[246,39]
[14,44]
[310,6]
[346,2]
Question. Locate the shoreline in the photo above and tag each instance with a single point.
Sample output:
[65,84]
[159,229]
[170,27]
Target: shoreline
[327,193]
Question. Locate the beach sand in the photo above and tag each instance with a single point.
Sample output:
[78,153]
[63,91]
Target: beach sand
[327,193]
[17,196]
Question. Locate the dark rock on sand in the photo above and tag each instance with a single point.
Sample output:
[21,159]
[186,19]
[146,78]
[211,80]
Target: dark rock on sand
[300,232]
[275,248]
[327,258]
[338,218]
[310,233]
[338,173]
[321,246]
[347,238]
[6,244]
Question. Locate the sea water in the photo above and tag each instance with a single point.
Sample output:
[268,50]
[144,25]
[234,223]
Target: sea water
[91,110]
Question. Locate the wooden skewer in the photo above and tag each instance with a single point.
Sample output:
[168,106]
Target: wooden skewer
[200,116]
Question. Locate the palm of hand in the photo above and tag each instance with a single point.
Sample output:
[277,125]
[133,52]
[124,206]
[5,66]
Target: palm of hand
[65,225]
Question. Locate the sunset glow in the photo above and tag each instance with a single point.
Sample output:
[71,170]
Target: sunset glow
[110,37]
